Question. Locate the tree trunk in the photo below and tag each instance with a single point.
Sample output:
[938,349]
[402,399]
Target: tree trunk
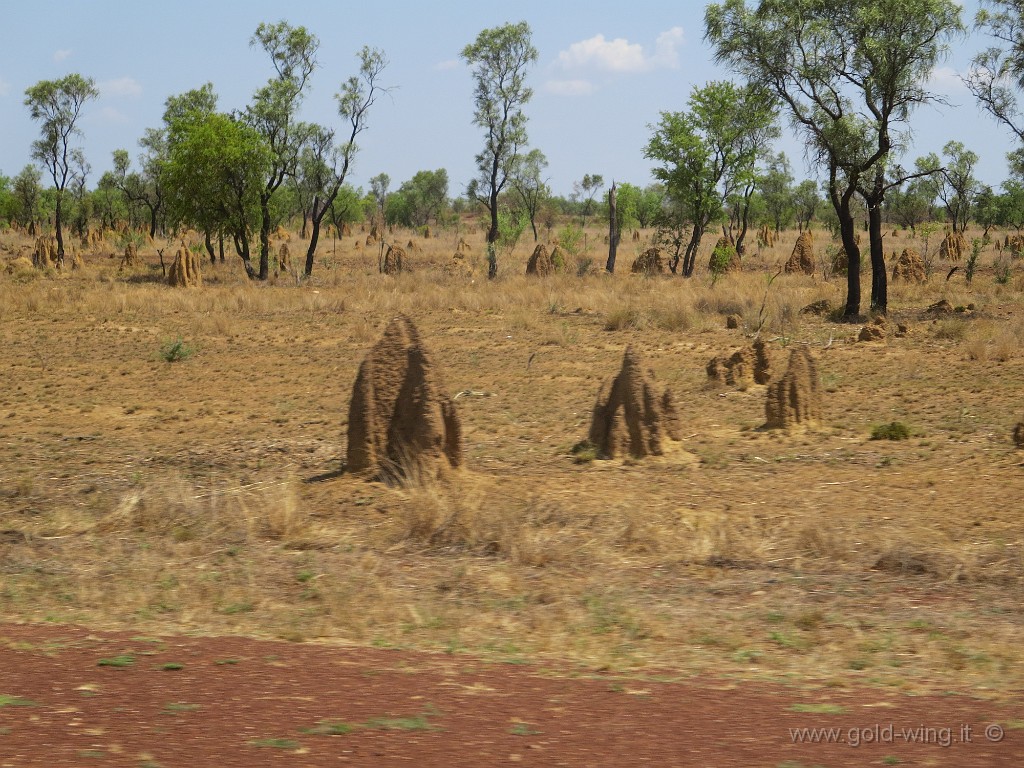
[220,245]
[690,260]
[879,278]
[208,242]
[313,240]
[847,231]
[242,247]
[744,221]
[492,239]
[264,272]
[305,224]
[58,221]
[613,231]
[153,213]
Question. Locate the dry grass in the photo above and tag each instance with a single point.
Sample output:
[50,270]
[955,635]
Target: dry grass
[205,495]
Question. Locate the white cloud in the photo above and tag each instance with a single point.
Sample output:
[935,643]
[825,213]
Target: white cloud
[446,65]
[5,87]
[122,86]
[666,48]
[111,115]
[945,80]
[62,54]
[620,55]
[569,87]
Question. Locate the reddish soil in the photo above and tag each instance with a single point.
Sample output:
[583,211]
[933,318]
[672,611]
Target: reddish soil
[231,701]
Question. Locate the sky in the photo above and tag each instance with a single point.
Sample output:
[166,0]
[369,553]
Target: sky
[605,72]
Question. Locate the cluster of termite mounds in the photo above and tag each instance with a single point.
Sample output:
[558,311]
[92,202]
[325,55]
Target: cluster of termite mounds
[403,424]
[547,262]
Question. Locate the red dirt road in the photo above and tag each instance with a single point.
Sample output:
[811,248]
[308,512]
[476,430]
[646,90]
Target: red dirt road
[71,697]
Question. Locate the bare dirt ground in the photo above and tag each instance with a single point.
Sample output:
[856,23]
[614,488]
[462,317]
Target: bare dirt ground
[74,697]
[171,466]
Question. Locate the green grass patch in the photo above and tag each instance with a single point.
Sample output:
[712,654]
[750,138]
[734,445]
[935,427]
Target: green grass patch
[414,723]
[172,666]
[174,707]
[15,701]
[522,729]
[331,728]
[124,660]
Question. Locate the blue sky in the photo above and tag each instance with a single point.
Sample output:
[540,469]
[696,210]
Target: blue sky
[605,72]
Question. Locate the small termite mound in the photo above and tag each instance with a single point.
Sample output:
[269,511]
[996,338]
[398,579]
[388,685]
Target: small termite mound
[402,425]
[747,366]
[909,266]
[795,399]
[630,417]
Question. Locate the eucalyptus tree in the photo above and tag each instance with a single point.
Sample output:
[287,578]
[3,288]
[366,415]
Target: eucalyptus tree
[996,76]
[953,181]
[27,189]
[57,106]
[776,186]
[499,58]
[273,114]
[705,155]
[331,164]
[849,75]
[530,186]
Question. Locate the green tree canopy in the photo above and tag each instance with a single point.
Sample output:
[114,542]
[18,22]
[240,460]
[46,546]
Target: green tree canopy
[705,155]
[847,74]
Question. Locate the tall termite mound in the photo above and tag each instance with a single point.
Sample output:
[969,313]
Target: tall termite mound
[395,261]
[802,258]
[630,418]
[796,397]
[953,246]
[401,421]
[45,253]
[185,271]
[648,263]
[283,258]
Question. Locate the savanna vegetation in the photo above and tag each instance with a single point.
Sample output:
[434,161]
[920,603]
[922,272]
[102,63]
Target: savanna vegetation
[171,458]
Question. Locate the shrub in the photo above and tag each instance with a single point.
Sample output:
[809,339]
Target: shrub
[894,430]
[1001,267]
[721,257]
[175,351]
